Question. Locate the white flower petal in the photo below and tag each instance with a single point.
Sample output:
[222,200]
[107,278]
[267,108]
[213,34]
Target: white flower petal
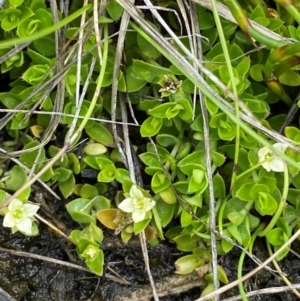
[31,209]
[277,165]
[135,192]
[15,203]
[127,205]
[149,204]
[280,146]
[262,153]
[266,166]
[8,220]
[271,160]
[25,225]
[138,216]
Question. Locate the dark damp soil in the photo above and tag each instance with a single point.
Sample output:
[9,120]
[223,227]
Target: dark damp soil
[27,279]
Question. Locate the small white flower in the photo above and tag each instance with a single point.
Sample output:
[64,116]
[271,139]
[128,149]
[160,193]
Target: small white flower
[270,160]
[137,203]
[20,216]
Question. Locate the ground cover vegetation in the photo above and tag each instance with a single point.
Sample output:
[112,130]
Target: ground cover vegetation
[186,110]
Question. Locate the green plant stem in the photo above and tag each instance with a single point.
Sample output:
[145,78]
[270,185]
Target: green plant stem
[99,82]
[278,269]
[234,89]
[241,262]
[276,216]
[221,213]
[45,32]
[290,9]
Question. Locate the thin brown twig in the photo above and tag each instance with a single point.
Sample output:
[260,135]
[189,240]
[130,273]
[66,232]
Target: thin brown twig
[265,291]
[66,115]
[28,170]
[13,52]
[225,13]
[115,83]
[59,262]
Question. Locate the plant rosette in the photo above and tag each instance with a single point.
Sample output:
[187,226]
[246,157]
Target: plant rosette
[20,217]
[137,204]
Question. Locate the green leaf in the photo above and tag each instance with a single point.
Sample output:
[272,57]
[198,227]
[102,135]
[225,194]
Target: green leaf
[17,178]
[186,243]
[101,134]
[222,275]
[103,161]
[62,174]
[10,100]
[45,46]
[29,158]
[114,9]
[95,261]
[34,74]
[212,108]
[226,245]
[275,237]
[245,233]
[150,159]
[185,218]
[11,19]
[218,159]
[265,204]
[95,149]
[167,140]
[186,113]
[47,175]
[168,195]
[256,72]
[140,226]
[134,83]
[256,189]
[188,263]
[146,48]
[66,187]
[206,20]
[236,217]
[79,209]
[243,193]
[107,174]
[183,150]
[257,12]
[151,126]
[150,73]
[100,202]
[37,58]
[162,110]
[269,182]
[198,181]
[147,104]
[88,191]
[219,186]
[290,78]
[195,157]
[122,174]
[165,212]
[16,3]
[243,67]
[234,231]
